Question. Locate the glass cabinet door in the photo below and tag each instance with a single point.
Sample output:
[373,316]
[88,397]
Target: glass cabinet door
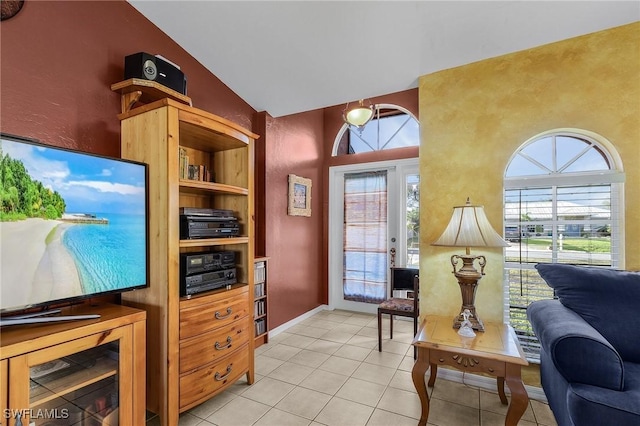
[74,383]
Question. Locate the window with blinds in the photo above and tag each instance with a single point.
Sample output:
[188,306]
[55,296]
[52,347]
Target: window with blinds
[561,204]
[365,237]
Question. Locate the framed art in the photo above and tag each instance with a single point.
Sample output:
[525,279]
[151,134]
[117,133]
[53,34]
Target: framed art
[299,196]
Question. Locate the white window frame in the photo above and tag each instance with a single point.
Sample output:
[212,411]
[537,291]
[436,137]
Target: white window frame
[345,127]
[614,177]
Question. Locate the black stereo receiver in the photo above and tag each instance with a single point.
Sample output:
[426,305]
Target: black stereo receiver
[207,281]
[207,227]
[196,263]
[148,67]
[200,211]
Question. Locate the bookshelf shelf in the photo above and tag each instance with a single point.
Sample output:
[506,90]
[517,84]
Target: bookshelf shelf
[103,369]
[195,186]
[209,242]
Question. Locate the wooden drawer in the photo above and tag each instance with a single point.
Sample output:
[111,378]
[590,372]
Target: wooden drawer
[470,363]
[213,345]
[200,385]
[196,319]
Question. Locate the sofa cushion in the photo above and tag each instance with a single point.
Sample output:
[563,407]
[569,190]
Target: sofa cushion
[607,299]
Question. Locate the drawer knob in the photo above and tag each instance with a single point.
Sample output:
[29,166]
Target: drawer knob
[220,347]
[491,370]
[219,316]
[220,377]
[441,359]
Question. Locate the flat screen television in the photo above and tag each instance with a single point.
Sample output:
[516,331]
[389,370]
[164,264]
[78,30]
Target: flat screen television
[73,225]
[403,278]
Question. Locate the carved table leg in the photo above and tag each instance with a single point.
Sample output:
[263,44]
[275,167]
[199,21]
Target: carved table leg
[433,374]
[503,397]
[519,397]
[417,374]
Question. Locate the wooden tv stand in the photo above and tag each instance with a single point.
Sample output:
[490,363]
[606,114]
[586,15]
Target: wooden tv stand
[92,370]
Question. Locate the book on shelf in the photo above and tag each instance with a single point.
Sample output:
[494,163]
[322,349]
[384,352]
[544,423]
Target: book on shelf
[259,272]
[259,308]
[184,163]
[260,326]
[199,172]
[259,290]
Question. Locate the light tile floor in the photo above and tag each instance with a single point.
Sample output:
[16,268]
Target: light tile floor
[327,370]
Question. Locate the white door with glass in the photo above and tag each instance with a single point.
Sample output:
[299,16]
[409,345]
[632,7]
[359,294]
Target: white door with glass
[373,225]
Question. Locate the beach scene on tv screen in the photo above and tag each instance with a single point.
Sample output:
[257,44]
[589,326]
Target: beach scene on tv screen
[71,224]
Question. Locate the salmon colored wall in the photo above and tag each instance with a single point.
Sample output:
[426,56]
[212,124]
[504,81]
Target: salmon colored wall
[474,117]
[59,60]
[293,145]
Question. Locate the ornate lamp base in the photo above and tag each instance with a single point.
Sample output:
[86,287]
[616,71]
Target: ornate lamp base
[468,278]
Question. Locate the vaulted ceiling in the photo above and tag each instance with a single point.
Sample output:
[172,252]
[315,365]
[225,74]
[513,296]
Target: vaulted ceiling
[285,57]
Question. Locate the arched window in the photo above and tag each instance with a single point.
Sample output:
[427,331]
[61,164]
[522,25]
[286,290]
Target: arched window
[562,203]
[391,127]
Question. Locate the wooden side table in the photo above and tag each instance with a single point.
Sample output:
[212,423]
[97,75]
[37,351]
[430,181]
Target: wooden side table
[495,351]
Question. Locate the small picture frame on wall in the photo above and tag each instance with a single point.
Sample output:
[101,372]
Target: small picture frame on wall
[299,196]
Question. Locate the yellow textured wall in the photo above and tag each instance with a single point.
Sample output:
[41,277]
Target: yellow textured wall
[474,117]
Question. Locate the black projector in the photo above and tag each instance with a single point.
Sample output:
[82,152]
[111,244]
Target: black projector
[148,67]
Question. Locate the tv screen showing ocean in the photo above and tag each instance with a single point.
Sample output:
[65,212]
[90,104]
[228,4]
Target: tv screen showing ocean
[109,256]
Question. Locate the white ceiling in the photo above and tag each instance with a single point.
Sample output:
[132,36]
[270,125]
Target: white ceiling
[286,57]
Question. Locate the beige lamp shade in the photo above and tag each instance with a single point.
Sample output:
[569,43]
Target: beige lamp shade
[359,115]
[469,227]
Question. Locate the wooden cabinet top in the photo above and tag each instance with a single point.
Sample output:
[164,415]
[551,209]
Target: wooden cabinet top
[19,339]
[191,117]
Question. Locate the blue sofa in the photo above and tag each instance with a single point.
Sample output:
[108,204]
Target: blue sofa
[590,337]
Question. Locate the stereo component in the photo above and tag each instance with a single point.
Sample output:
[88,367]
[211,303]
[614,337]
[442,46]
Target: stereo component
[197,211]
[155,68]
[196,263]
[207,281]
[207,227]
[207,223]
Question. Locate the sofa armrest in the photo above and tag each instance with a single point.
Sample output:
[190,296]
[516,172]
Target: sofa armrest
[579,352]
[590,405]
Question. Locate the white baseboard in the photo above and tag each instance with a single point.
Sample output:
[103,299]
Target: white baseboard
[297,320]
[478,381]
[487,383]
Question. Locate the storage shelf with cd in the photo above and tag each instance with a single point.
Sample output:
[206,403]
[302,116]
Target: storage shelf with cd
[261,301]
[170,136]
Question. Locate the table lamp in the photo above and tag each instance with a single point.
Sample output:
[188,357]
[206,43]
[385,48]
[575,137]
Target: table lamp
[469,227]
